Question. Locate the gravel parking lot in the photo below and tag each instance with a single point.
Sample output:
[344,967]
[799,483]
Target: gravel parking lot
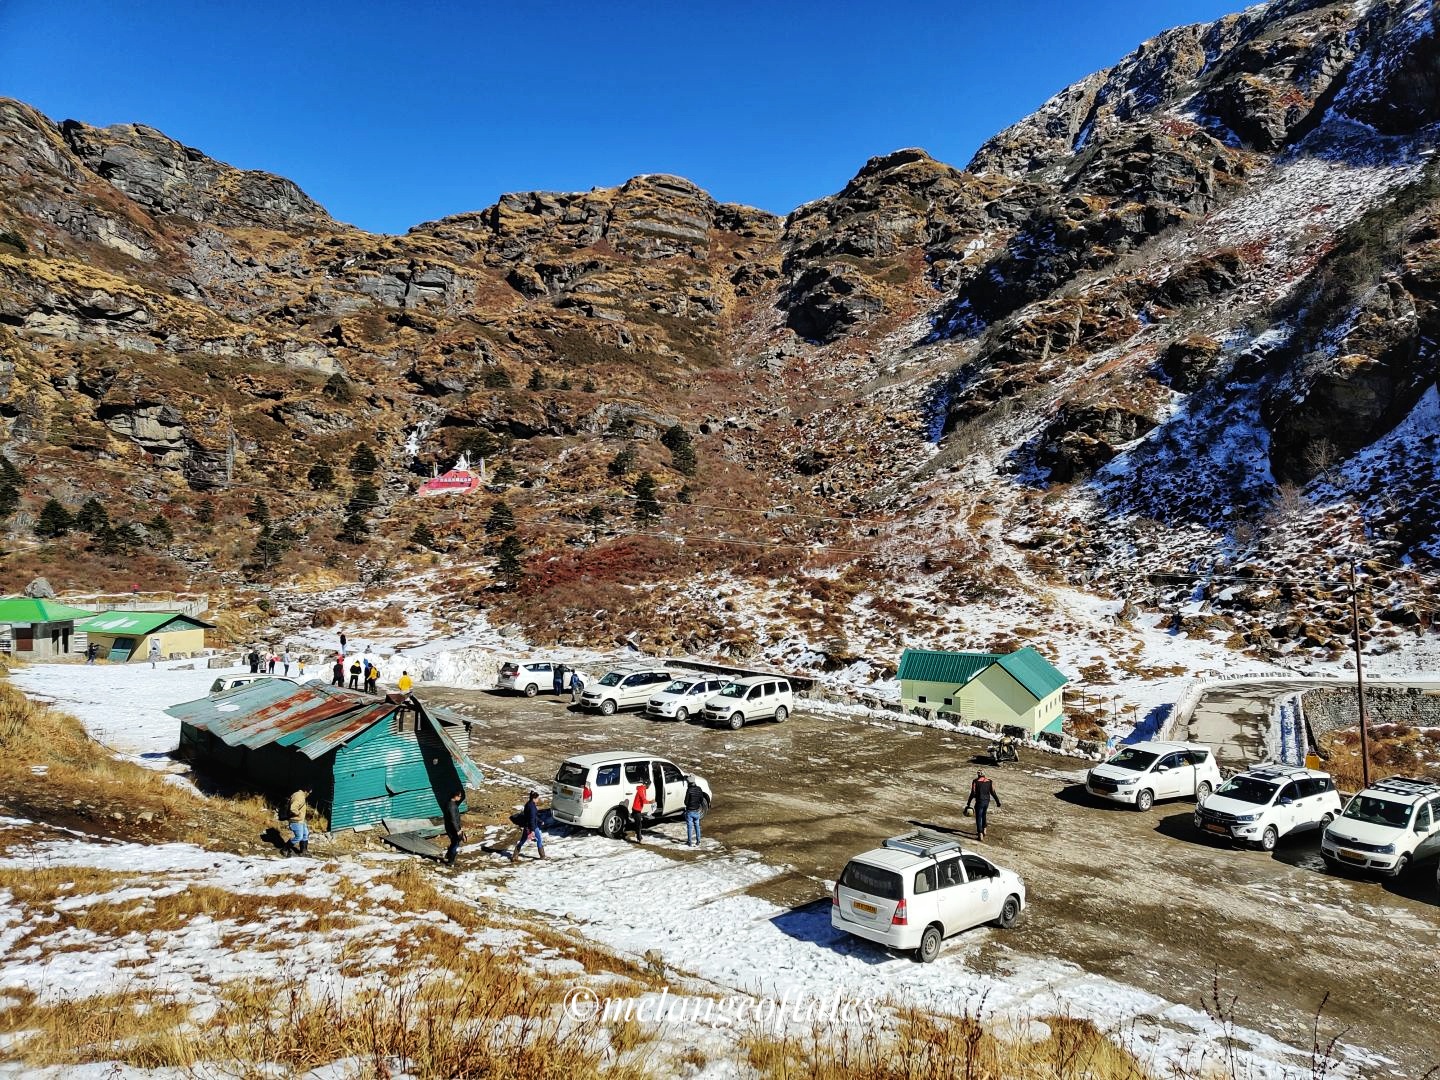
[1136,897]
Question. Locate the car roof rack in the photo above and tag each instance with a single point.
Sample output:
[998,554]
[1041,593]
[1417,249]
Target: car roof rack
[1277,770]
[1406,785]
[924,842]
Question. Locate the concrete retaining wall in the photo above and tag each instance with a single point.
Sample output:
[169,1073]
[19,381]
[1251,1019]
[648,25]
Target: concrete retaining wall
[1329,708]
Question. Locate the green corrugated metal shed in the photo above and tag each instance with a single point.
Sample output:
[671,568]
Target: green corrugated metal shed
[25,609]
[957,668]
[139,623]
[1032,671]
[365,758]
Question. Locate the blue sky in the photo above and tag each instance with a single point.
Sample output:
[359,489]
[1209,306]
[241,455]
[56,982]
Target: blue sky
[394,113]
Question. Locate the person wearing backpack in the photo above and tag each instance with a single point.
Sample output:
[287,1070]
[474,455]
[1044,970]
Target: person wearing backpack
[982,790]
[694,807]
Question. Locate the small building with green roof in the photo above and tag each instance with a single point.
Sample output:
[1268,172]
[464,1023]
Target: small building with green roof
[126,635]
[40,628]
[1018,690]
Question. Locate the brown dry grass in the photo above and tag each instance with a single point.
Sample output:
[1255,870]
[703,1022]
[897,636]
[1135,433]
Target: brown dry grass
[1395,750]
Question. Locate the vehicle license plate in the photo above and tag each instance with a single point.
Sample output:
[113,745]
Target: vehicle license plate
[864,908]
[1351,856]
[1221,829]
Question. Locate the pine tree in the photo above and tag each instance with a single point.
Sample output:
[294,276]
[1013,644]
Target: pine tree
[321,476]
[107,540]
[424,537]
[507,565]
[268,549]
[364,462]
[595,516]
[129,537]
[537,380]
[622,463]
[647,507]
[682,450]
[589,386]
[685,496]
[259,511]
[496,378]
[54,520]
[354,531]
[10,483]
[91,516]
[205,512]
[161,528]
[504,475]
[564,383]
[501,519]
[482,444]
[363,499]
[337,388]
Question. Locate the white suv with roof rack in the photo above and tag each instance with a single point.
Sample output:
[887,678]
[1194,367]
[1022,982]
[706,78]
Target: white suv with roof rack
[683,697]
[1386,827]
[919,888]
[623,688]
[758,697]
[1267,802]
[1145,771]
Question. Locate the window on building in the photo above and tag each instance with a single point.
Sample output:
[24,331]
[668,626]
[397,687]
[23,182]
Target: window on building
[921,699]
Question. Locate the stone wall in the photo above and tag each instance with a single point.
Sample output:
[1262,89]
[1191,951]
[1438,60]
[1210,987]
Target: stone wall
[1331,708]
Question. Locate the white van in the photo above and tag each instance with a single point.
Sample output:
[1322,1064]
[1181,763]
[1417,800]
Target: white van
[758,697]
[595,791]
[683,697]
[623,688]
[1267,802]
[918,889]
[1386,827]
[229,682]
[1145,771]
[528,677]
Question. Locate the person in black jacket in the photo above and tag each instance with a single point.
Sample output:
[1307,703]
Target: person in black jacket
[529,826]
[451,811]
[694,808]
[982,790]
[337,673]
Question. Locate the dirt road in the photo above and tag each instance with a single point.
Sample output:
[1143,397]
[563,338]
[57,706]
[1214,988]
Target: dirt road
[1137,897]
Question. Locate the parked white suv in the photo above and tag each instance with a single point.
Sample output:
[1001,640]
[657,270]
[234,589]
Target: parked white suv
[623,688]
[1267,802]
[595,791]
[758,697]
[918,889]
[1386,827]
[529,677]
[229,682]
[1145,771]
[684,697]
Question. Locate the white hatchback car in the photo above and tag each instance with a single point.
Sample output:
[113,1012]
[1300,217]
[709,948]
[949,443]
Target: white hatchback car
[595,791]
[759,697]
[684,697]
[918,889]
[623,688]
[1145,771]
[1267,802]
[229,682]
[1386,827]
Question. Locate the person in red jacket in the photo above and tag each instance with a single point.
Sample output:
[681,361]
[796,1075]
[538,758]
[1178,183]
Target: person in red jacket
[637,811]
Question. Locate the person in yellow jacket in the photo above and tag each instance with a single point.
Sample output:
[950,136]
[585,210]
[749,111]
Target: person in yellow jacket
[405,683]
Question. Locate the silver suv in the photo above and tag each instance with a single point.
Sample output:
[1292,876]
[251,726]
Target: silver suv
[1267,802]
[623,688]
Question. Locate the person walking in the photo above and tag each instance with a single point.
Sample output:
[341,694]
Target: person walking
[372,680]
[342,642]
[91,651]
[355,674]
[285,660]
[529,826]
[577,683]
[337,673]
[694,807]
[404,683]
[982,790]
[295,815]
[557,681]
[637,811]
[450,810]
[254,660]
[154,651]
[300,663]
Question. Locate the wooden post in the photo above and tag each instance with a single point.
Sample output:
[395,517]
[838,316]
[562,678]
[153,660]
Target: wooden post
[1360,677]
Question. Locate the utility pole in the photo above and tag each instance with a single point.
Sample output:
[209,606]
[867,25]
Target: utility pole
[1360,677]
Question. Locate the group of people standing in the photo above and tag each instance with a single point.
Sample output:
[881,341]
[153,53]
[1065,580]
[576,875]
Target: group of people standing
[266,662]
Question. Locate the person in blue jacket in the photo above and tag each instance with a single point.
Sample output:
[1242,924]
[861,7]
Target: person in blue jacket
[529,826]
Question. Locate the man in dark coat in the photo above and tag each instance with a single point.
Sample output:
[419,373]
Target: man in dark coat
[451,811]
[337,673]
[982,790]
[254,662]
[529,826]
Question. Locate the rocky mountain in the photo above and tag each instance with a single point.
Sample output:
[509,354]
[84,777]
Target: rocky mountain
[1181,318]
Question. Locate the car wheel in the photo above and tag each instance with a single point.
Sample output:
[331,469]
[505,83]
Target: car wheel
[607,707]
[1010,913]
[613,824]
[682,714]
[1269,838]
[1203,791]
[1144,800]
[780,714]
[531,690]
[1325,821]
[929,944]
[737,721]
[704,809]
[1401,866]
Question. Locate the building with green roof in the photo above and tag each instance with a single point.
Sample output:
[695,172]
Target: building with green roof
[126,635]
[40,628]
[1017,690]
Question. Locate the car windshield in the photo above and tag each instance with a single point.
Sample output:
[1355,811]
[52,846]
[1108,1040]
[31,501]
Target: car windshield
[1248,789]
[611,679]
[1375,811]
[871,879]
[1133,760]
[571,775]
[733,690]
[677,686]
